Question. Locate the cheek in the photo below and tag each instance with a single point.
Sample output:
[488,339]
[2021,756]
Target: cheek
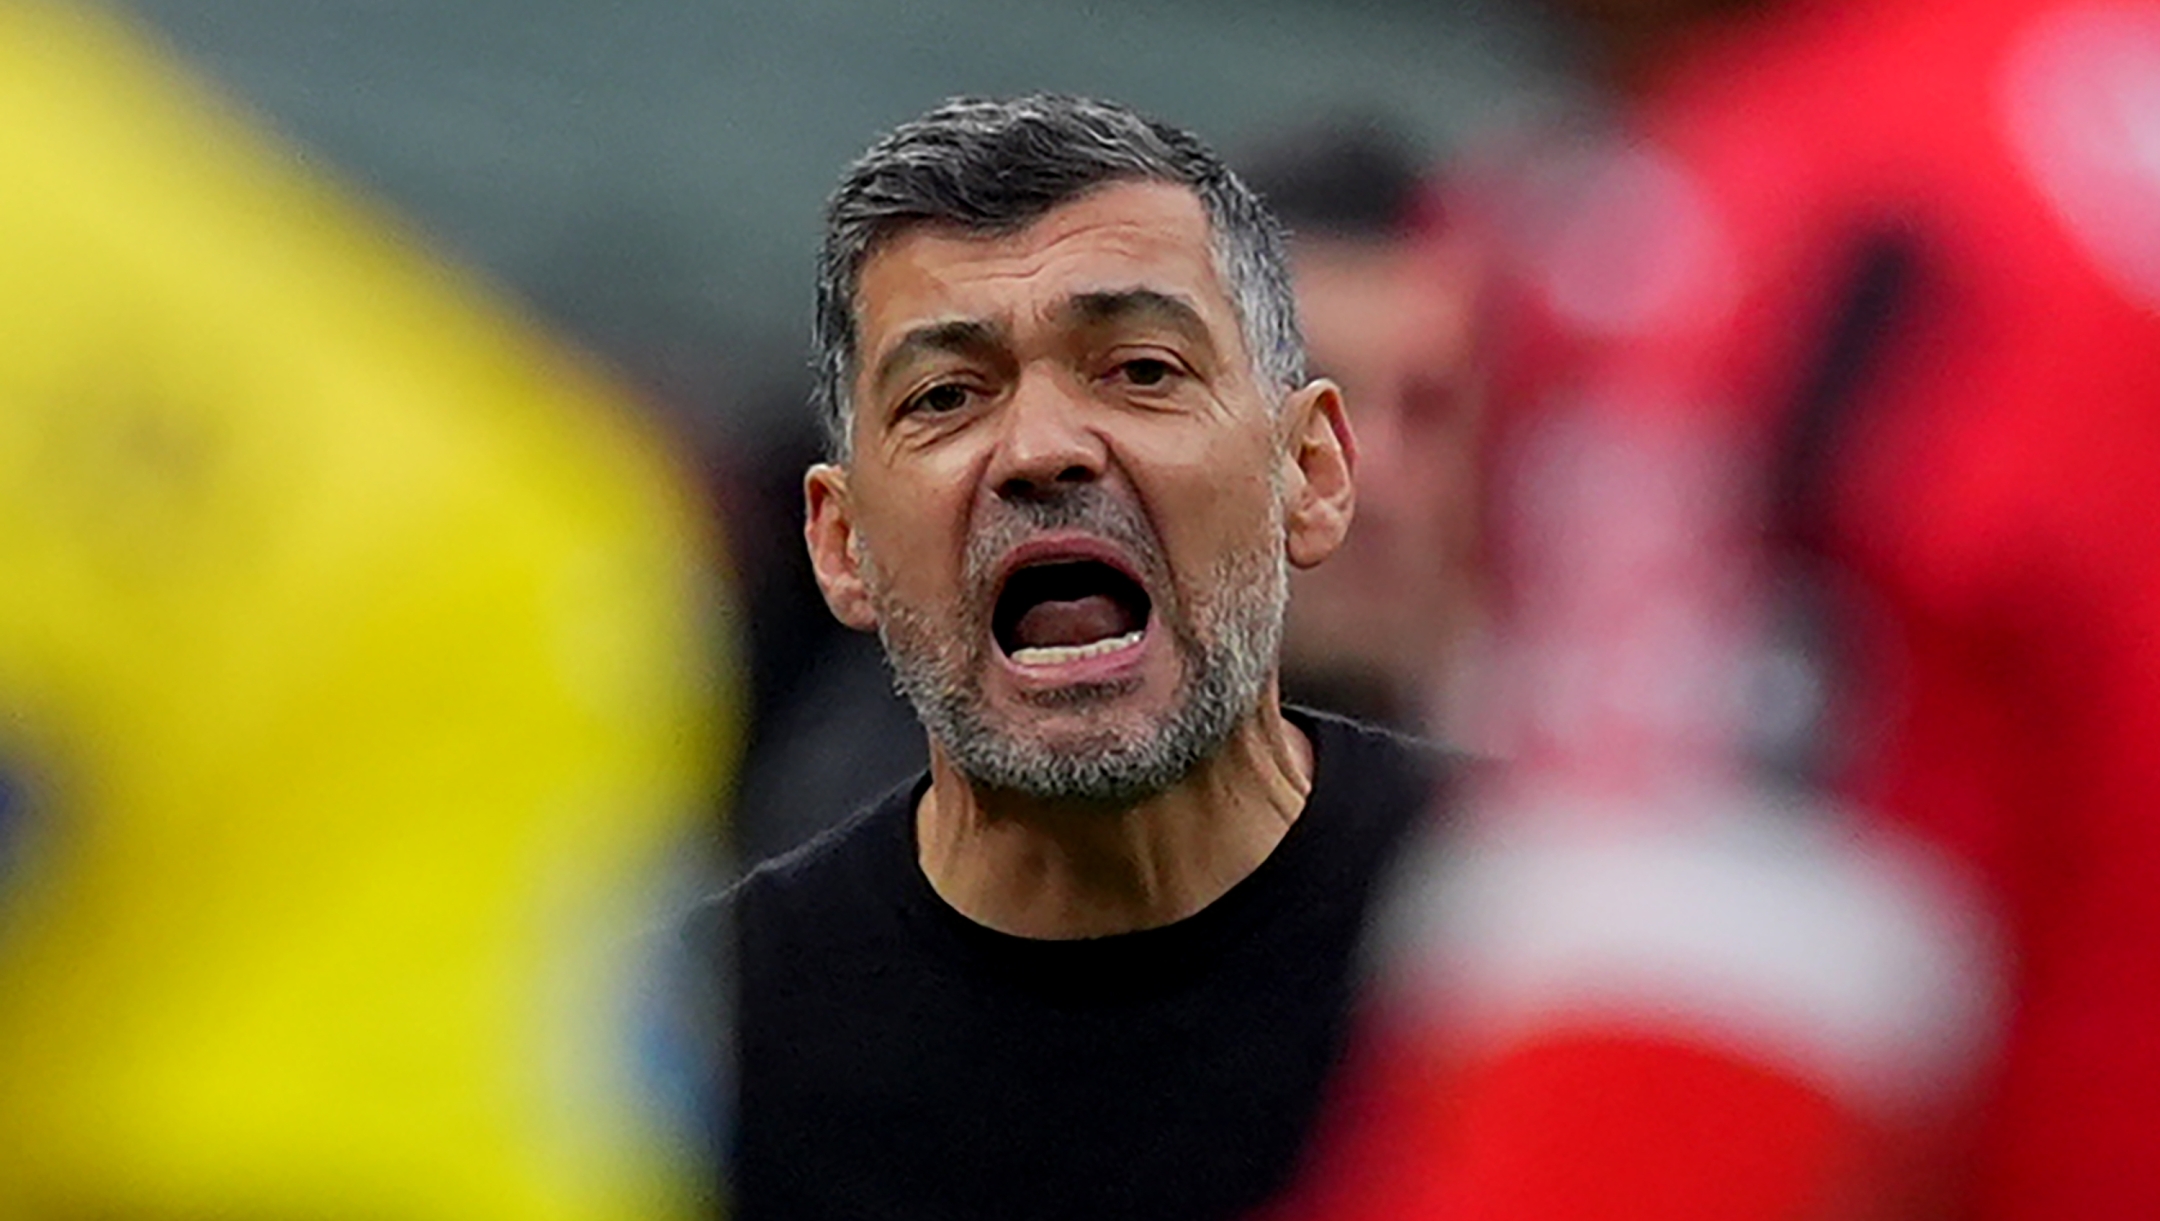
[1211,497]
[916,533]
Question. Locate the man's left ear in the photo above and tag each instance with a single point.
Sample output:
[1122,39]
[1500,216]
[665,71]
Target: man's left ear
[1321,455]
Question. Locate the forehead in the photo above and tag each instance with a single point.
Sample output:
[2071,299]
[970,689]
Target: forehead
[1131,235]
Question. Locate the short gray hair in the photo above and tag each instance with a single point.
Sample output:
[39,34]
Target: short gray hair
[994,167]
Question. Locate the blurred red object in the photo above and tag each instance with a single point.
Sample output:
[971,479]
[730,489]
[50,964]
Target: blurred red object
[1820,876]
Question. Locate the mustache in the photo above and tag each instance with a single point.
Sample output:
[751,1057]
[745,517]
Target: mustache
[1087,508]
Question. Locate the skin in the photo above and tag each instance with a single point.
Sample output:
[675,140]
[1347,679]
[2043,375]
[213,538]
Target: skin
[1158,405]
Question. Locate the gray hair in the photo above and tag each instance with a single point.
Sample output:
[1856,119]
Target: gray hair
[994,167]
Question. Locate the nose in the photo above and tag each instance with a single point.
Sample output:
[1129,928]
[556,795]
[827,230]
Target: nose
[1047,444]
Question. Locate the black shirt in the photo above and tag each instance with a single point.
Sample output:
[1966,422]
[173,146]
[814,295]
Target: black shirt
[897,1060]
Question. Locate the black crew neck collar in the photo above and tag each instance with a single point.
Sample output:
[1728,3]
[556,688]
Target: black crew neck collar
[1141,961]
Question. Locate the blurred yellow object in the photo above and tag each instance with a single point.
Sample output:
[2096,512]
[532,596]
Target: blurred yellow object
[356,701]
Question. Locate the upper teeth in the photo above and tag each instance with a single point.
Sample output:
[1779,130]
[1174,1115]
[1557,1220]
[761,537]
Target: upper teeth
[1050,655]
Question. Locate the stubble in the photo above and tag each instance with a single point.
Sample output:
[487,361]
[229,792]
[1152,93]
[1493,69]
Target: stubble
[1227,638]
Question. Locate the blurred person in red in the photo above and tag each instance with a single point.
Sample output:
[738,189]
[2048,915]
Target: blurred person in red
[1385,302]
[1820,879]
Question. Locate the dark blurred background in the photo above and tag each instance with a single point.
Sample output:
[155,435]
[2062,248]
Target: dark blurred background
[647,173]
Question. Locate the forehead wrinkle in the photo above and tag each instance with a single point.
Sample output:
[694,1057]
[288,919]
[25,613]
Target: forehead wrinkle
[1141,234]
[1142,305]
[960,336]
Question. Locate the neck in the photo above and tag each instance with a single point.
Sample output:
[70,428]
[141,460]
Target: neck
[1059,871]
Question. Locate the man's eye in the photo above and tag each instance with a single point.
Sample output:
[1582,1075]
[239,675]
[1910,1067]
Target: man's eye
[939,399]
[1147,371]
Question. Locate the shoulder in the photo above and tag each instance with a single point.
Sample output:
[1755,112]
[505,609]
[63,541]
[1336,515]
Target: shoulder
[829,880]
[1378,783]
[1354,755]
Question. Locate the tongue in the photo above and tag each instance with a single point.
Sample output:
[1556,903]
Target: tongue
[1078,621]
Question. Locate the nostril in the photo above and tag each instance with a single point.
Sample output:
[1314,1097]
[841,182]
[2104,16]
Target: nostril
[1029,487]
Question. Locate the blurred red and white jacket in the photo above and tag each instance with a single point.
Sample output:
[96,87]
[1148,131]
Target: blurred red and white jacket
[1822,877]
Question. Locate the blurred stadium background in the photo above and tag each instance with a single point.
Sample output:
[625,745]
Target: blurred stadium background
[648,173]
[643,179]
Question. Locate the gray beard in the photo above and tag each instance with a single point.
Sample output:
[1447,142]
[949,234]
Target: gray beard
[1227,646]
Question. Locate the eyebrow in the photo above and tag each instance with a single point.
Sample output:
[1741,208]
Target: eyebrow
[965,336]
[1143,305]
[960,335]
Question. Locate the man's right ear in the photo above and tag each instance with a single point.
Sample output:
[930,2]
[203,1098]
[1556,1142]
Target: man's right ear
[835,550]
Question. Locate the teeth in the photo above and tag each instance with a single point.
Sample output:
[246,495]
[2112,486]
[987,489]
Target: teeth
[1055,654]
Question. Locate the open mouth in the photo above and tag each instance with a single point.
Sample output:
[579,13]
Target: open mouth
[1067,610]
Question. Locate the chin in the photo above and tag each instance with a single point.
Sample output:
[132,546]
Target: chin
[1083,752]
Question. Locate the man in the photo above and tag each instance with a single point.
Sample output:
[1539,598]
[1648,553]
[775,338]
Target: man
[1384,295]
[1095,963]
[1826,469]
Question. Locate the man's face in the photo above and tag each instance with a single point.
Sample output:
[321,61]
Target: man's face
[1064,509]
